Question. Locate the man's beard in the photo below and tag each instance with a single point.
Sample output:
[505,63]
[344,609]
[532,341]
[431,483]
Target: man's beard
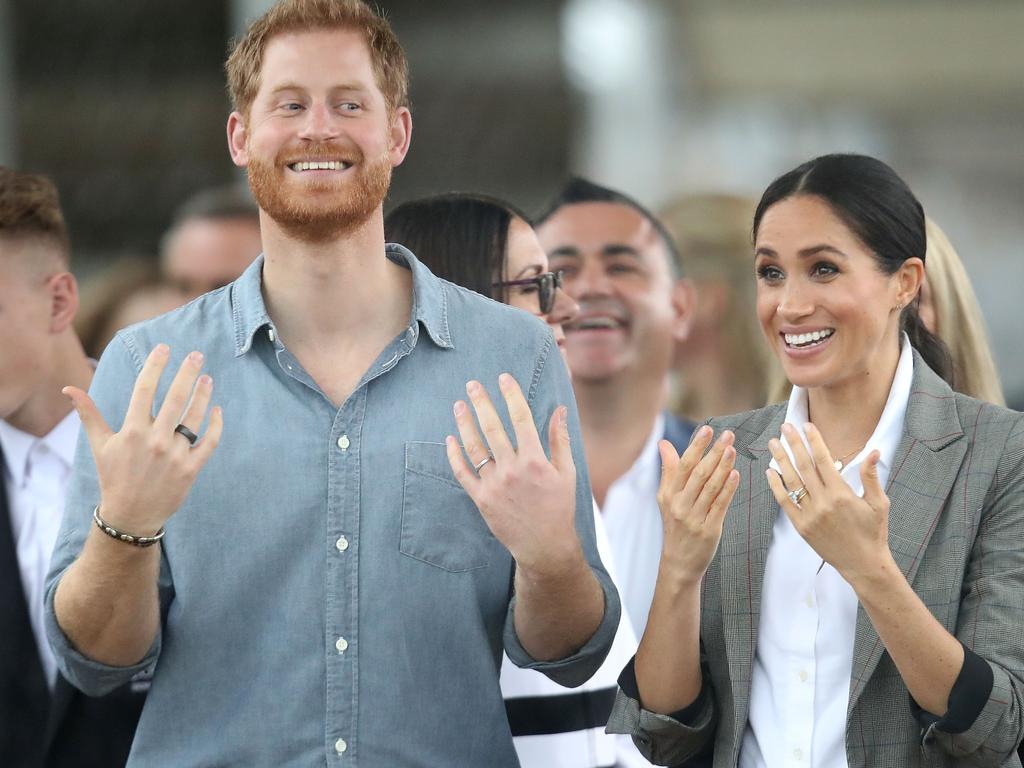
[317,212]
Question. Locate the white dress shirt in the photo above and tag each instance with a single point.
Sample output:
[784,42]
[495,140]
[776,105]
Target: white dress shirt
[800,684]
[584,748]
[37,470]
[633,522]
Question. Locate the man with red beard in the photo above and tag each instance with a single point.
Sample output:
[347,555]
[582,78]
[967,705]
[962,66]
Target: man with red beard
[333,582]
[619,263]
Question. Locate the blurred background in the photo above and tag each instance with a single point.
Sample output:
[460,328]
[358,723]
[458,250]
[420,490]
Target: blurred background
[124,105]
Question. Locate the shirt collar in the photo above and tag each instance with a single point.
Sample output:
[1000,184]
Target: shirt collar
[647,464]
[17,446]
[429,308]
[889,429]
[64,437]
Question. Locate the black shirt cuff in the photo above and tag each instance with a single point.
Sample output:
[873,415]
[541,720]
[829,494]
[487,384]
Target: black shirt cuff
[967,698]
[687,715]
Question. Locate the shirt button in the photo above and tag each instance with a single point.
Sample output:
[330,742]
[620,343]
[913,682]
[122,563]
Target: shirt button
[798,754]
[343,442]
[341,544]
[810,601]
[341,645]
[803,675]
[340,746]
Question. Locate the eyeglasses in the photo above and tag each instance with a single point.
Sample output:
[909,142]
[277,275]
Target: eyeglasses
[547,284]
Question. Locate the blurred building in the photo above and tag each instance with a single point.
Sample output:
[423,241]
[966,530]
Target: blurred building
[124,104]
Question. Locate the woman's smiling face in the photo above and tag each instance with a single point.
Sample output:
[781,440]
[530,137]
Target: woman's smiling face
[825,307]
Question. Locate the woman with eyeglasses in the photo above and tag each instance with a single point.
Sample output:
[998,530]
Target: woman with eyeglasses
[487,245]
[842,579]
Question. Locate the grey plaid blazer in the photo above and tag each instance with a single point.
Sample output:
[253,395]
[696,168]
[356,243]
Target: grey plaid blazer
[956,528]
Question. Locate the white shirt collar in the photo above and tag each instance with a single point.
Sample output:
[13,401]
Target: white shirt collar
[888,431]
[18,446]
[646,468]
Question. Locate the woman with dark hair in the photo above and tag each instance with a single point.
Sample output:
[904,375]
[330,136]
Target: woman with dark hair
[487,245]
[876,620]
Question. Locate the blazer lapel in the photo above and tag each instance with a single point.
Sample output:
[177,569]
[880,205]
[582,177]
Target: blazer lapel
[746,536]
[926,466]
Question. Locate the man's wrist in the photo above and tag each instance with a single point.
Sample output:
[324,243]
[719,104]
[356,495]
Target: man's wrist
[554,569]
[136,540]
[115,516]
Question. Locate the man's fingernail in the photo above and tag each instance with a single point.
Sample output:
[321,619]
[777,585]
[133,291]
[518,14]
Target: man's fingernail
[563,416]
[196,357]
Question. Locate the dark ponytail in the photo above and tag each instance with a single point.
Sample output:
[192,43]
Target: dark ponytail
[931,348]
[882,212]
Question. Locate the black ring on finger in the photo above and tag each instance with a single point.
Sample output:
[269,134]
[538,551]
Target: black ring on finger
[191,436]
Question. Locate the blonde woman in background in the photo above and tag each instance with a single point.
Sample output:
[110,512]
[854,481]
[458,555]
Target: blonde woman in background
[949,309]
[723,365]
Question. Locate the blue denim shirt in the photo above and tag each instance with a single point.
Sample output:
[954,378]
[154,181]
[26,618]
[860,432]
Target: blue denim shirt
[330,594]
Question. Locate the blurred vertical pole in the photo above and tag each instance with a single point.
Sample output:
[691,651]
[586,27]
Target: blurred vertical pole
[241,12]
[8,126]
[617,57]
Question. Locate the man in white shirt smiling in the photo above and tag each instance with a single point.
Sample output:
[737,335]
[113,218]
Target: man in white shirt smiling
[620,265]
[44,721]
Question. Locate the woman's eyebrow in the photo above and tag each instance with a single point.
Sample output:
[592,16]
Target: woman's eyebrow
[534,268]
[803,253]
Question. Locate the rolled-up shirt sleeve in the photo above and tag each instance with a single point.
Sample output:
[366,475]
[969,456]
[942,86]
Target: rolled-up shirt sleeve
[111,390]
[664,739]
[984,721]
[970,693]
[549,389]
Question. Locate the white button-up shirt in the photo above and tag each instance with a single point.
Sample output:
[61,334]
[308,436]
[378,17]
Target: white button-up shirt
[588,747]
[635,530]
[800,685]
[37,470]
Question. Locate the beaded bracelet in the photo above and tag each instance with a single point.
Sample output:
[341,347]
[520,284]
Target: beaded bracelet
[135,541]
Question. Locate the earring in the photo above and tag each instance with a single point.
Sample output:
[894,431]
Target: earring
[898,307]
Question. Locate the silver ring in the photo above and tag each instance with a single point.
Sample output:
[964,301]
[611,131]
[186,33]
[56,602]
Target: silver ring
[483,462]
[797,496]
[188,434]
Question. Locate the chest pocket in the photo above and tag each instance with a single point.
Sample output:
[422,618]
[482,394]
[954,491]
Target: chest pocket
[440,523]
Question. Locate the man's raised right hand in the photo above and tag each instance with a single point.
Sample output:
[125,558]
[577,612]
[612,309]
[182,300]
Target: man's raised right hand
[146,470]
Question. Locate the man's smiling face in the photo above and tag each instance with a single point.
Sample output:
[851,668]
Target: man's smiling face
[616,267]
[319,142]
